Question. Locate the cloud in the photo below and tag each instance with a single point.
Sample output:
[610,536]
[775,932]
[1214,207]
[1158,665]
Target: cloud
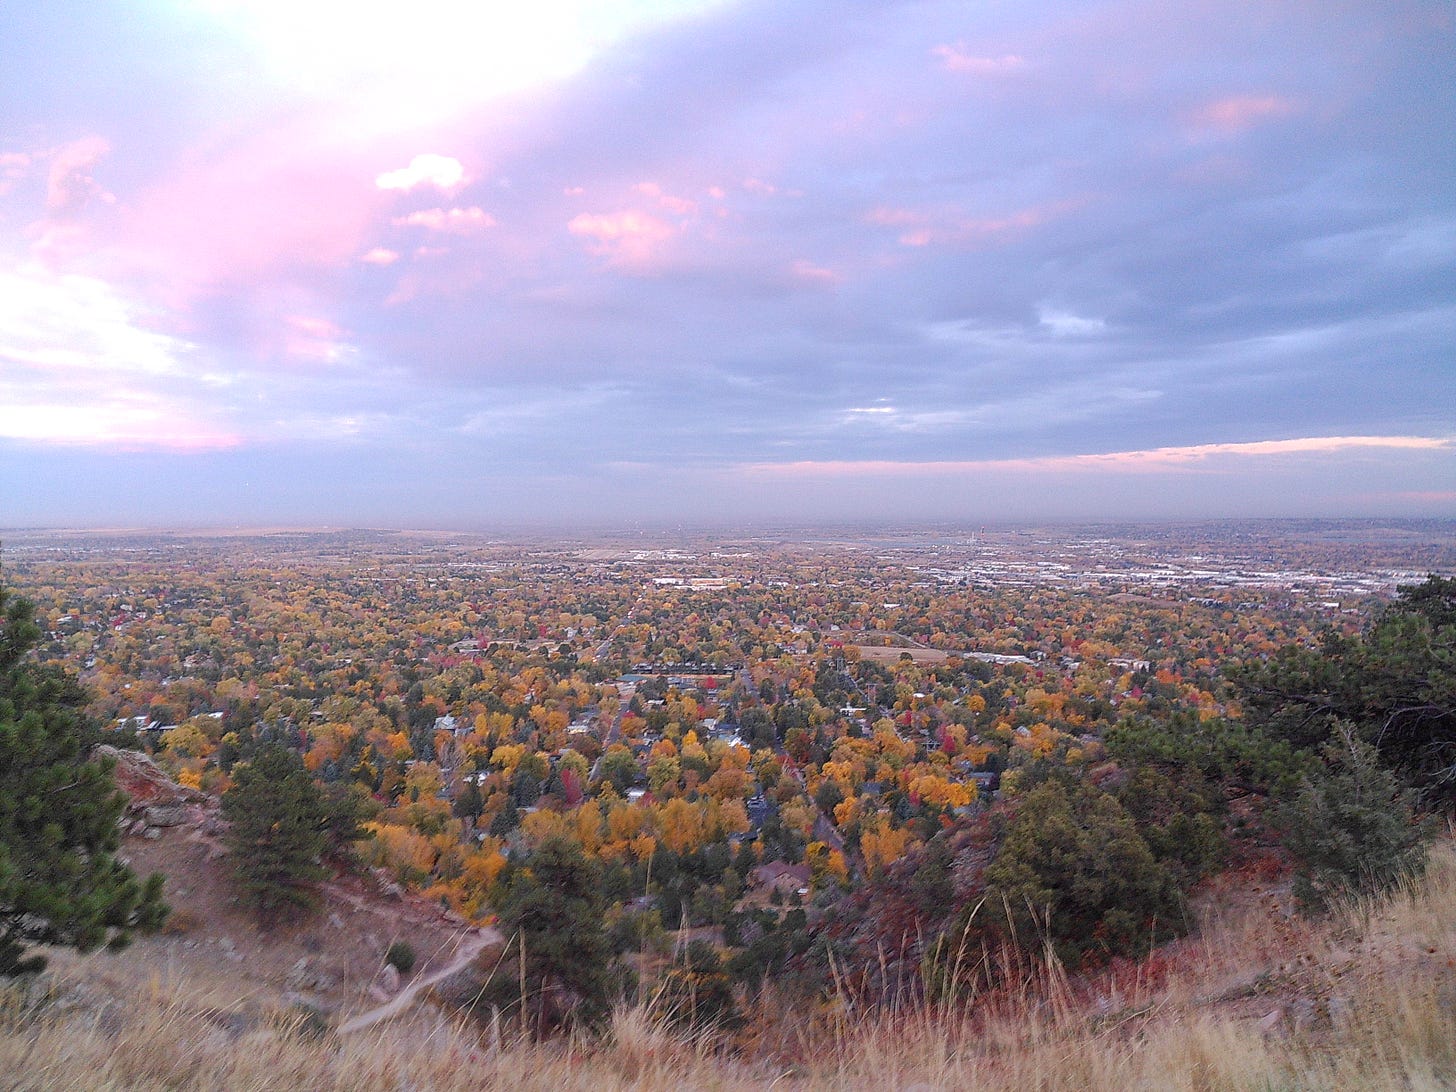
[1238,113]
[956,58]
[457,221]
[1065,324]
[680,206]
[1155,459]
[379,255]
[805,270]
[79,367]
[631,237]
[440,171]
[941,226]
[71,184]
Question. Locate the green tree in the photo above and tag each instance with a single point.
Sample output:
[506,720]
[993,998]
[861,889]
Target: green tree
[60,880]
[278,832]
[1396,684]
[1074,871]
[1352,826]
[554,908]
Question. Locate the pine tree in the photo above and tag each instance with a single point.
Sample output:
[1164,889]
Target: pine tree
[278,832]
[60,880]
[554,907]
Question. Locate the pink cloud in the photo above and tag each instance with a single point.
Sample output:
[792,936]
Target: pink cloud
[681,206]
[313,339]
[441,171]
[956,58]
[631,236]
[71,185]
[379,255]
[13,167]
[1155,459]
[807,271]
[1238,113]
[250,212]
[946,226]
[458,221]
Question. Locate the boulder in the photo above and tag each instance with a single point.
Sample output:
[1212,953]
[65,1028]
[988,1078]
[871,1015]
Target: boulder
[165,815]
[145,783]
[389,979]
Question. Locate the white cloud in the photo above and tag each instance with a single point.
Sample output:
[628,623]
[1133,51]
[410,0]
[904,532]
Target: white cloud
[441,171]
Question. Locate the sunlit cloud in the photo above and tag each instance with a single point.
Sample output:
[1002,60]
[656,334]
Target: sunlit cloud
[1154,459]
[80,367]
[933,227]
[71,183]
[379,255]
[805,270]
[458,221]
[957,58]
[1237,113]
[631,236]
[441,171]
[681,206]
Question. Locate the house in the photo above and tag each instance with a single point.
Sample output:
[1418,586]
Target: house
[782,877]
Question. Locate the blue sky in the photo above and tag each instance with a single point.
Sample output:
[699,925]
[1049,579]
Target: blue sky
[425,265]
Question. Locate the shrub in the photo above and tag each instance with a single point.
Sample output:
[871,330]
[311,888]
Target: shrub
[1352,826]
[401,956]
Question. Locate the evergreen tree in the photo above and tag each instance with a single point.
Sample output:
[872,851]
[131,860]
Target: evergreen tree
[1074,870]
[555,907]
[279,830]
[1352,826]
[60,881]
[1396,684]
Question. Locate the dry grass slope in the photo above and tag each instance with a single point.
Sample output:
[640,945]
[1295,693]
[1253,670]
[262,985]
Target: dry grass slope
[1364,1001]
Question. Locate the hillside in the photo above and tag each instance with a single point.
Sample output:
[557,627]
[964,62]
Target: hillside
[1256,998]
[214,953]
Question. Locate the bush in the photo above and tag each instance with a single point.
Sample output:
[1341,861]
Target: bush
[1352,826]
[401,956]
[1074,871]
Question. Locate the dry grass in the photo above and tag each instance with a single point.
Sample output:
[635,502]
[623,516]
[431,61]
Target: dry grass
[1365,1001]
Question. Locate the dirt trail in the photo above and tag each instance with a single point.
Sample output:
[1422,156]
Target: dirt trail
[469,947]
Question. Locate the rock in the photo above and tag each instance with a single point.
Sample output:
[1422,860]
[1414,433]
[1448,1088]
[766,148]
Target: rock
[1301,1014]
[1269,1025]
[1341,1014]
[144,782]
[226,944]
[389,979]
[165,815]
[335,921]
[151,834]
[298,975]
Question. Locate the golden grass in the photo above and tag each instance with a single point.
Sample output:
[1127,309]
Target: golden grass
[1366,1001]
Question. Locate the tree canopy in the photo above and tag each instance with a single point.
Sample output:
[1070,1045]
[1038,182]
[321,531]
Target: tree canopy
[60,880]
[279,830]
[1395,684]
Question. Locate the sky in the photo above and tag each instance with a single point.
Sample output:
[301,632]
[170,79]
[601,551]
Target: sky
[471,264]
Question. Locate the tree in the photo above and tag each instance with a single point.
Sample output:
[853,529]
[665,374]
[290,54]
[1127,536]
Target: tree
[279,830]
[60,880]
[1074,870]
[1396,684]
[1352,827]
[554,909]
